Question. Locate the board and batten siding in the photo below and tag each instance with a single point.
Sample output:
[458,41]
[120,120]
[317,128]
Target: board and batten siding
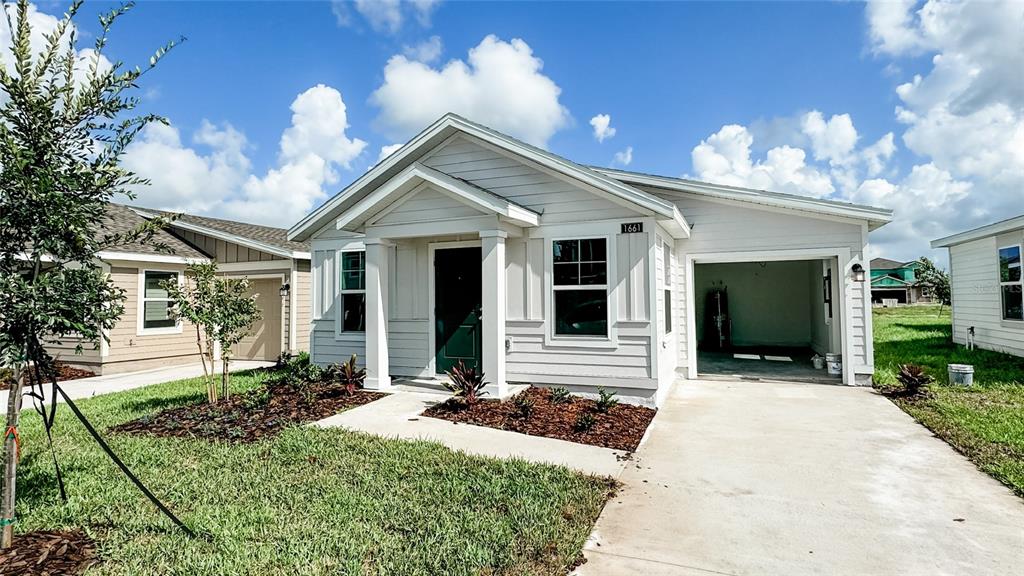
[977,299]
[724,226]
[224,252]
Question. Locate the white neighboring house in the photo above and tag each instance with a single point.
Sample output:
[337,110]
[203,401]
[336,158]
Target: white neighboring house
[987,285]
[469,244]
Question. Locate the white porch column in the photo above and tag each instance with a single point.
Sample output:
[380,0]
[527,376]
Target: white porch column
[377,372]
[492,248]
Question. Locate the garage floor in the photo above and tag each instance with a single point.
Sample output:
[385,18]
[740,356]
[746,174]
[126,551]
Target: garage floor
[714,365]
[761,478]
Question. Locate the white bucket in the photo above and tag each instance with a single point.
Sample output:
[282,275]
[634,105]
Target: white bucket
[961,374]
[835,364]
[818,362]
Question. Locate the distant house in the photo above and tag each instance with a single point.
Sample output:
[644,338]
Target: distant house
[147,336]
[892,280]
[987,285]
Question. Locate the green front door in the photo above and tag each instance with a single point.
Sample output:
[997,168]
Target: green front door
[457,302]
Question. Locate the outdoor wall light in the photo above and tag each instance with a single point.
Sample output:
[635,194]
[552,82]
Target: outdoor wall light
[285,288]
[858,273]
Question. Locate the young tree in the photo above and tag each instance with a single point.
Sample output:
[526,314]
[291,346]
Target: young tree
[221,310]
[64,124]
[936,281]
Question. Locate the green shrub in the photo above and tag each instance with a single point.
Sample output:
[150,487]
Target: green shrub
[560,395]
[524,405]
[584,422]
[606,401]
[349,375]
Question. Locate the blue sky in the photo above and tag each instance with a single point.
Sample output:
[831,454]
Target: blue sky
[820,83]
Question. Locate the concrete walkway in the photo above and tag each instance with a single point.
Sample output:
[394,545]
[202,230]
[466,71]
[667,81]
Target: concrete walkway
[89,387]
[398,416]
[766,478]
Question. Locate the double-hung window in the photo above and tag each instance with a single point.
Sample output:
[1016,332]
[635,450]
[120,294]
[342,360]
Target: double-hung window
[353,291]
[155,302]
[1011,283]
[666,286]
[580,283]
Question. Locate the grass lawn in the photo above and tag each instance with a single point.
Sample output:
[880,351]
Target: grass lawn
[986,422]
[309,501]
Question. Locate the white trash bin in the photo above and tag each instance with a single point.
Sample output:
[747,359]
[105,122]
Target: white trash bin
[834,363]
[961,374]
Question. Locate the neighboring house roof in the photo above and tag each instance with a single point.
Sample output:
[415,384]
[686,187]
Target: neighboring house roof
[265,238]
[450,124]
[885,264]
[121,219]
[886,281]
[617,183]
[876,217]
[1008,225]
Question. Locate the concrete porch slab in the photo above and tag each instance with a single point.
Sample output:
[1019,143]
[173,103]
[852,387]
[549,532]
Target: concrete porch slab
[398,416]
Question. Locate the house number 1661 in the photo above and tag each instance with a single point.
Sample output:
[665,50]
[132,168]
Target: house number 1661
[632,227]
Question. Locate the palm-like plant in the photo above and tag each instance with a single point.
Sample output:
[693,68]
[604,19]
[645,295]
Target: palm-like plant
[350,376]
[914,379]
[466,383]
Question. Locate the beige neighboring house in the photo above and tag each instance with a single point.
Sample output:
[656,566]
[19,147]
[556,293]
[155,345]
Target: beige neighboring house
[147,337]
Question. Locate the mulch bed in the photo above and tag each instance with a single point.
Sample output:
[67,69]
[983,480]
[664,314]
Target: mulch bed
[49,553]
[621,428]
[64,372]
[253,415]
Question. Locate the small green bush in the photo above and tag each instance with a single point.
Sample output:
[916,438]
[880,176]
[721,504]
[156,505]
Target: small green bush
[524,405]
[584,422]
[606,401]
[560,395]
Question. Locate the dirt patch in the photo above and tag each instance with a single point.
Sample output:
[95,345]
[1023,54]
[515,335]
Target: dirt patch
[49,553]
[64,372]
[253,415]
[621,428]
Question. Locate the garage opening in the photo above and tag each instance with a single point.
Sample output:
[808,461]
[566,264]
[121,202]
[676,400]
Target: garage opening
[777,320]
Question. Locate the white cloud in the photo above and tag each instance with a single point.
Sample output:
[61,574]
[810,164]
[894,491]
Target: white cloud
[427,51]
[833,140]
[878,154]
[625,157]
[603,129]
[501,85]
[388,150]
[386,16]
[725,158]
[214,176]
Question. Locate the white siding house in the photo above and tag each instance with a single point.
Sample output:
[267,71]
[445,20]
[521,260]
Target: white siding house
[467,244]
[986,281]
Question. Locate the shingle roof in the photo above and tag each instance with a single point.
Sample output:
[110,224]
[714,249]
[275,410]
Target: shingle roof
[121,219]
[276,237]
[885,264]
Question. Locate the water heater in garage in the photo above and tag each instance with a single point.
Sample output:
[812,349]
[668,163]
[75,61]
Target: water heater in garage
[717,324]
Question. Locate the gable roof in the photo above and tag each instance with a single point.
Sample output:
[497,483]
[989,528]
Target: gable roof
[120,219]
[885,264]
[876,217]
[890,280]
[264,238]
[416,174]
[1008,225]
[450,124]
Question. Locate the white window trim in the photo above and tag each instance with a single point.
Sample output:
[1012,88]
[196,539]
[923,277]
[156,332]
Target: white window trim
[140,306]
[665,283]
[339,330]
[1018,282]
[607,341]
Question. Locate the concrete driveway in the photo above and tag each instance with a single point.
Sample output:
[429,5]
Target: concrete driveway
[761,478]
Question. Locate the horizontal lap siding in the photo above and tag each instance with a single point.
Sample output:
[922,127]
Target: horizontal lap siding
[66,351]
[730,227]
[126,345]
[558,200]
[427,205]
[304,302]
[977,300]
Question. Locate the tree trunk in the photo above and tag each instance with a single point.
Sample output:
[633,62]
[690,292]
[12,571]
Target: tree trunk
[211,391]
[14,400]
[224,377]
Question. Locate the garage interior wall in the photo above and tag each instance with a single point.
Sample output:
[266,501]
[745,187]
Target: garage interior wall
[770,303]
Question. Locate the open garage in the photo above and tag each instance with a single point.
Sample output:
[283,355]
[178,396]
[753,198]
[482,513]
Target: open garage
[767,319]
